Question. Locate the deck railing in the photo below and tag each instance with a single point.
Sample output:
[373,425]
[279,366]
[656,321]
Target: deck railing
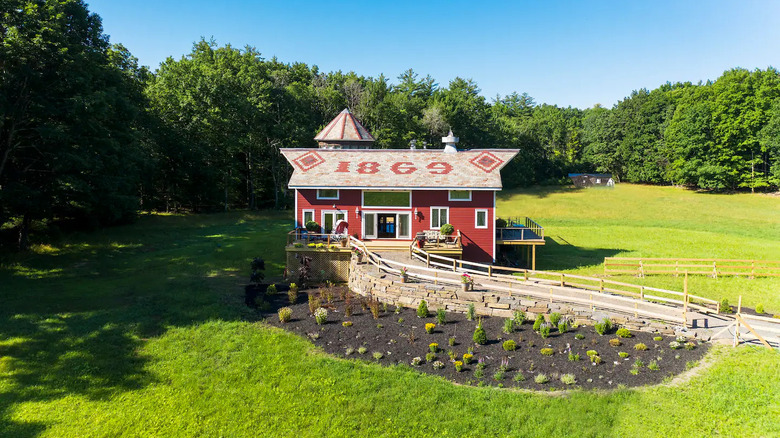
[530,229]
[641,266]
[306,238]
[577,289]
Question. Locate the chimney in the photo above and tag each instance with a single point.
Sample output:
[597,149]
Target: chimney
[449,143]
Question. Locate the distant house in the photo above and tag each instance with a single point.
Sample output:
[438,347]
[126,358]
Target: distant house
[393,195]
[592,179]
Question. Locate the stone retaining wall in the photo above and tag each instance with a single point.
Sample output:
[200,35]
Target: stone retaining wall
[364,279]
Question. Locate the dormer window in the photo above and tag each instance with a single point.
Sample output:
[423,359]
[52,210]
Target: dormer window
[328,194]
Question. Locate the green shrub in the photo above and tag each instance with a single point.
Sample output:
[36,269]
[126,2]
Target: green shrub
[623,354]
[298,245]
[509,326]
[467,358]
[362,350]
[479,373]
[592,353]
[573,357]
[441,316]
[615,342]
[579,336]
[603,327]
[447,229]
[347,324]
[724,306]
[674,345]
[658,338]
[471,313]
[349,351]
[519,317]
[595,359]
[451,341]
[759,308]
[638,363]
[538,322]
[434,347]
[623,333]
[568,379]
[541,378]
[563,327]
[640,347]
[634,371]
[451,354]
[377,355]
[654,365]
[430,357]
[500,223]
[422,309]
[509,345]
[312,226]
[544,331]
[292,293]
[546,351]
[321,315]
[555,318]
[458,366]
[499,375]
[285,314]
[519,377]
[480,337]
[690,345]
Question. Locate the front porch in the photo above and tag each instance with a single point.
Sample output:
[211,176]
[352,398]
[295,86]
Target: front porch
[444,246]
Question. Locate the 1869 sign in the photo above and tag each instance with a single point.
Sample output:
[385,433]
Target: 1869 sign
[399,168]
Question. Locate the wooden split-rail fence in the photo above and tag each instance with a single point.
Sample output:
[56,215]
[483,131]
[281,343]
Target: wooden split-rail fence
[645,301]
[641,266]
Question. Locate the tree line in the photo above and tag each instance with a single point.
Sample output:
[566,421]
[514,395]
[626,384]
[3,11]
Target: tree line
[89,135]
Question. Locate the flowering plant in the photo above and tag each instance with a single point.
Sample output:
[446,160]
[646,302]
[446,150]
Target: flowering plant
[466,279]
[357,251]
[434,347]
[429,328]
[467,358]
[458,366]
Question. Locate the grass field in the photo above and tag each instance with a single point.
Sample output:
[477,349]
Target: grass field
[584,226]
[141,331]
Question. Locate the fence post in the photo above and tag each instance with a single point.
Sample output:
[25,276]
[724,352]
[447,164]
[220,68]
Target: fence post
[592,307]
[490,271]
[436,278]
[676,268]
[525,274]
[562,282]
[685,300]
[454,265]
[636,309]
[752,269]
[714,270]
[601,285]
[641,269]
[736,328]
[641,293]
[428,260]
[551,293]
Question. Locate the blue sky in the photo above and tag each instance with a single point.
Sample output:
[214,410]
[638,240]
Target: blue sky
[568,53]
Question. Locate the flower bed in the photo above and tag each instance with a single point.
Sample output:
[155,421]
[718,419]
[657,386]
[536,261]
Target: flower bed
[578,358]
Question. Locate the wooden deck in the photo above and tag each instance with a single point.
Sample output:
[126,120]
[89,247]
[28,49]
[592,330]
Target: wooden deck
[518,235]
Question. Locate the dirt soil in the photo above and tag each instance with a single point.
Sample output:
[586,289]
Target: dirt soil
[399,335]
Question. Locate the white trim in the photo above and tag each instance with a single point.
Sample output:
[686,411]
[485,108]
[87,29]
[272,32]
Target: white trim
[303,216]
[296,224]
[449,196]
[476,218]
[327,198]
[397,213]
[431,215]
[363,200]
[334,213]
[492,225]
[396,188]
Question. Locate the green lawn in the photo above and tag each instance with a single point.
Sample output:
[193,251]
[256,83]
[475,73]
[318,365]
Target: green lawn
[141,331]
[584,226]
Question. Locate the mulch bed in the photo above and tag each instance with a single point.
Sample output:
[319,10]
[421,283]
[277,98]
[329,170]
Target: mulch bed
[399,335]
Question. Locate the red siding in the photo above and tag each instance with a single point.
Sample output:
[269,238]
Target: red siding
[478,244]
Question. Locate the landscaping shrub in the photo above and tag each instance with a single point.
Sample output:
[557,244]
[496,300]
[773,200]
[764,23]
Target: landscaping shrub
[509,326]
[314,303]
[467,358]
[579,336]
[555,318]
[346,324]
[624,333]
[690,345]
[285,314]
[546,351]
[349,351]
[441,316]
[724,306]
[640,347]
[653,365]
[451,354]
[321,315]
[430,357]
[429,327]
[615,342]
[434,347]
[500,223]
[658,338]
[519,377]
[417,361]
[674,345]
[499,375]
[519,317]
[377,355]
[591,353]
[603,327]
[312,227]
[509,345]
[538,322]
[544,331]
[573,357]
[422,309]
[759,308]
[362,350]
[438,364]
[541,378]
[292,293]
[471,313]
[623,354]
[563,327]
[447,229]
[458,366]
[638,363]
[373,305]
[595,359]
[271,289]
[568,379]
[480,337]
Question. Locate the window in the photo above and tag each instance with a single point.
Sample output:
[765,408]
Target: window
[439,217]
[404,231]
[327,194]
[460,195]
[387,199]
[308,215]
[369,226]
[481,219]
[329,219]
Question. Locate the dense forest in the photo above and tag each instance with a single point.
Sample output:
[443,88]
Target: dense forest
[89,136]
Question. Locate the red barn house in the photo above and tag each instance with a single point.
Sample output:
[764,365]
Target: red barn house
[394,194]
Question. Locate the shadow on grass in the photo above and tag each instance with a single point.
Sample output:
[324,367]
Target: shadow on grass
[559,256]
[81,332]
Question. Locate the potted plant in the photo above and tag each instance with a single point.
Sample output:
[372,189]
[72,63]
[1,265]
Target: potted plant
[343,242]
[446,230]
[404,274]
[467,282]
[359,254]
[312,227]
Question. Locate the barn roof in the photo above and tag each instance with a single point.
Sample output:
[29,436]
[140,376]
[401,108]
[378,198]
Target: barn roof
[344,128]
[477,169]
